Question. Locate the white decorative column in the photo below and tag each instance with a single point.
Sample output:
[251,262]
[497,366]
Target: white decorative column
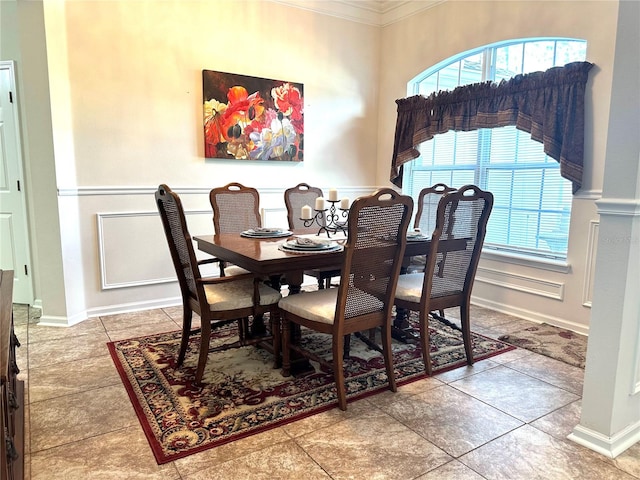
[610,421]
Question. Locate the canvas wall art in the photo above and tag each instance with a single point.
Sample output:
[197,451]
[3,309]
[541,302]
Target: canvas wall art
[251,118]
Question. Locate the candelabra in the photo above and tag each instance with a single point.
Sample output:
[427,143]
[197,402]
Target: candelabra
[331,223]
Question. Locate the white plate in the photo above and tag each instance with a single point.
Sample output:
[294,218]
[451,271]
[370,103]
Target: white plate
[316,245]
[332,248]
[254,234]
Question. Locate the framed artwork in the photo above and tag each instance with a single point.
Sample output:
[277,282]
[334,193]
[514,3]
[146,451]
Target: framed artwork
[251,118]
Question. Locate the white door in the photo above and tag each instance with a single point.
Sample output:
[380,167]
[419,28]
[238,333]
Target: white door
[14,234]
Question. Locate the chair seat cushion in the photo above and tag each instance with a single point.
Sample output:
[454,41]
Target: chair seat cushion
[409,287]
[319,306]
[231,270]
[238,294]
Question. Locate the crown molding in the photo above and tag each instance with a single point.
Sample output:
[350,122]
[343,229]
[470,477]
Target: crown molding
[378,13]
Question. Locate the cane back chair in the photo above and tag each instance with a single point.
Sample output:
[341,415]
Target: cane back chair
[219,300]
[235,209]
[295,198]
[364,299]
[452,261]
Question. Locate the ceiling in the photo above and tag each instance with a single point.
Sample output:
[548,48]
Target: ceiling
[372,12]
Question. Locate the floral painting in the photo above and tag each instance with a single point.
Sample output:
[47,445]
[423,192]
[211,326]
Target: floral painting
[251,118]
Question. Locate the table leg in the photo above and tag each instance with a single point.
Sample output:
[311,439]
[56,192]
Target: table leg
[299,364]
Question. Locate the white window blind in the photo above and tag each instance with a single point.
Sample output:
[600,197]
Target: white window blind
[532,202]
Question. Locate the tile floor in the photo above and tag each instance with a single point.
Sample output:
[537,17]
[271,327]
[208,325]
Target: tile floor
[504,418]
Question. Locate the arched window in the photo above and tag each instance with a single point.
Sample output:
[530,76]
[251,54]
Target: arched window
[532,202]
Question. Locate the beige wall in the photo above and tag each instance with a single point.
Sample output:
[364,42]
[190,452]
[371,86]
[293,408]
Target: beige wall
[561,298]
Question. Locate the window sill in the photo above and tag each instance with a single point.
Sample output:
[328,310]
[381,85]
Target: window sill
[559,266]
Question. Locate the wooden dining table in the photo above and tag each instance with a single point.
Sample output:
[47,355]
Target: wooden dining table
[263,256]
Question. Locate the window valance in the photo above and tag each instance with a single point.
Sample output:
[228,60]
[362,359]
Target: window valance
[549,105]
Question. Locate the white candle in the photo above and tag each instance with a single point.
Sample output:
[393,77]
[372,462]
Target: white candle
[306,213]
[344,204]
[333,195]
[320,203]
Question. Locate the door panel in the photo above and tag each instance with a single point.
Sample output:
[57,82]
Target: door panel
[14,233]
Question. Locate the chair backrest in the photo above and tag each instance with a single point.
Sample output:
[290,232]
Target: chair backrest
[180,243]
[373,255]
[235,208]
[428,200]
[456,244]
[297,197]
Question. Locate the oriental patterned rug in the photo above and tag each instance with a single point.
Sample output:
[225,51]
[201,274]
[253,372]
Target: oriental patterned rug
[550,341]
[242,394]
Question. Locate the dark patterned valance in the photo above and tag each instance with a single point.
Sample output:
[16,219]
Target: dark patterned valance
[549,105]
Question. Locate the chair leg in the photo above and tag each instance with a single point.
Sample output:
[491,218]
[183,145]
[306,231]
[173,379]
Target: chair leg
[388,357]
[320,283]
[187,315]
[338,370]
[466,332]
[205,337]
[424,341]
[275,332]
[286,353]
[327,282]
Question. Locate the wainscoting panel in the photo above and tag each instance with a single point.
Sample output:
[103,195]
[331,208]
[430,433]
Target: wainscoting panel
[521,283]
[137,239]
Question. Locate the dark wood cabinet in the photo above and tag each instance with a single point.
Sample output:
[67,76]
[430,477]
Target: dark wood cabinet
[12,389]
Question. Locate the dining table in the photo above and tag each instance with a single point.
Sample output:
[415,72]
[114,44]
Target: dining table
[265,257]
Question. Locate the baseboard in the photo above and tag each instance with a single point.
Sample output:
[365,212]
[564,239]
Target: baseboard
[58,321]
[530,315]
[134,307]
[608,446]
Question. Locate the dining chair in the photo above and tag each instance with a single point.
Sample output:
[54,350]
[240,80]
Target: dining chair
[425,220]
[235,209]
[218,300]
[371,264]
[294,199]
[452,261]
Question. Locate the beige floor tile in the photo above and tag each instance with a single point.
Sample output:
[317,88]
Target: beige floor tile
[466,370]
[60,379]
[527,453]
[515,393]
[560,423]
[325,419]
[43,333]
[629,460]
[511,355]
[285,461]
[450,419]
[188,466]
[124,321]
[144,329]
[123,454]
[68,349]
[453,470]
[79,416]
[551,371]
[369,446]
[175,313]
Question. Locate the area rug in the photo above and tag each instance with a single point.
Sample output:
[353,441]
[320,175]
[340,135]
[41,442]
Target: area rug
[550,341]
[242,394]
